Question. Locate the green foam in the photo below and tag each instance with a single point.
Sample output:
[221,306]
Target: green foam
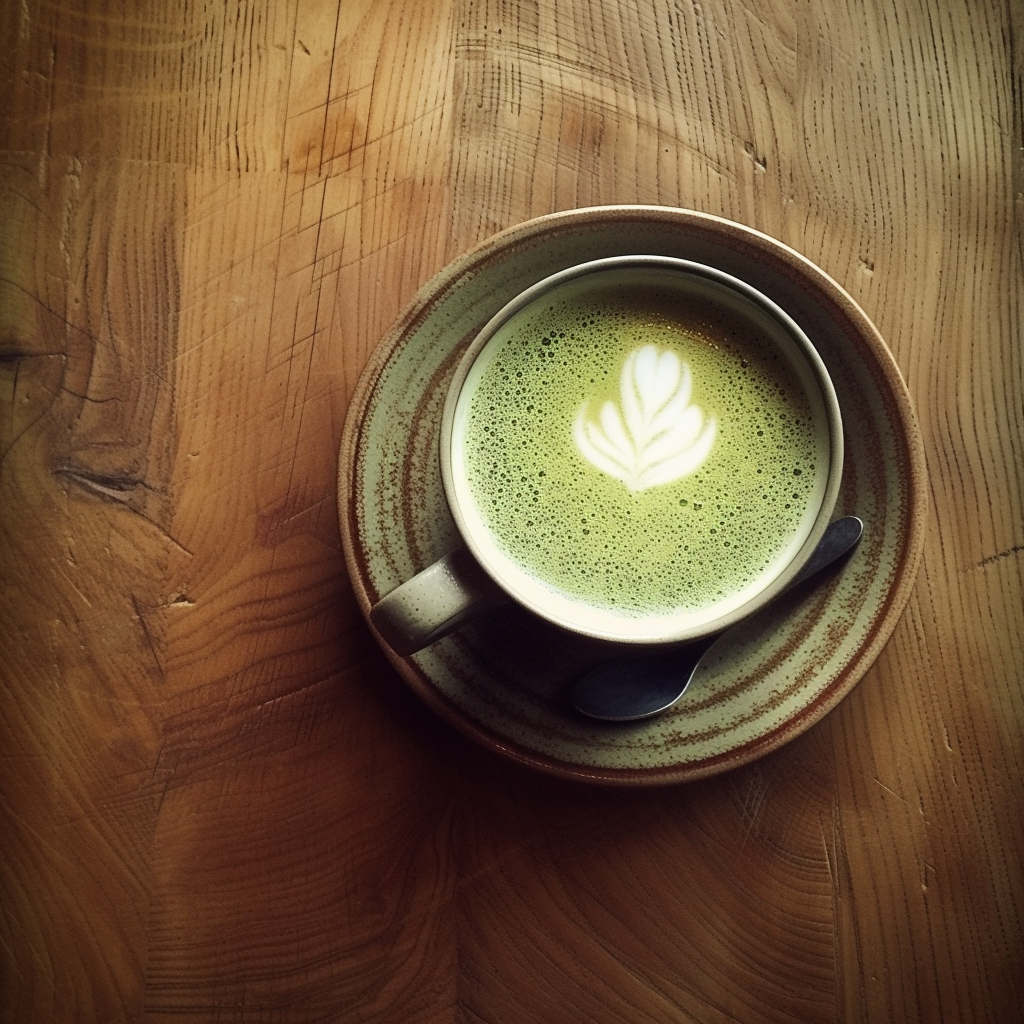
[585,535]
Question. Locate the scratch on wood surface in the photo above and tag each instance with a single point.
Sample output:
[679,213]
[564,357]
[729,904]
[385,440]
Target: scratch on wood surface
[127,491]
[828,855]
[754,801]
[888,790]
[317,504]
[115,488]
[1000,555]
[287,695]
[149,636]
[68,578]
[759,159]
[927,871]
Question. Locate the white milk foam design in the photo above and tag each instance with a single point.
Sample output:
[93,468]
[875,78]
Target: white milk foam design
[655,435]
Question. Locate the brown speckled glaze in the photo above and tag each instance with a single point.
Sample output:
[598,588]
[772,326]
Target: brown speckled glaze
[503,678]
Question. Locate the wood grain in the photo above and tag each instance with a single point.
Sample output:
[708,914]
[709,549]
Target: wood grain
[219,802]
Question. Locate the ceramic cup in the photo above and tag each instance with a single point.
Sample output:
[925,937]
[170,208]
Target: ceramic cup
[639,449]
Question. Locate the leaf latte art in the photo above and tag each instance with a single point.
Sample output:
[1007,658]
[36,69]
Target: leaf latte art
[654,435]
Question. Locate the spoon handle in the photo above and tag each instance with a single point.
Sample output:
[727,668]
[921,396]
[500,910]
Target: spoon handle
[837,539]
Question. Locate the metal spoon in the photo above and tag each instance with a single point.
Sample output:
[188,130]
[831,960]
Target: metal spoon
[627,689]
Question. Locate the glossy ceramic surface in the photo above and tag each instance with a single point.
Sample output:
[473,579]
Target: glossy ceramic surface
[503,678]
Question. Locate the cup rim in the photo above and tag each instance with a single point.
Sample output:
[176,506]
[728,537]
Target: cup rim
[814,364]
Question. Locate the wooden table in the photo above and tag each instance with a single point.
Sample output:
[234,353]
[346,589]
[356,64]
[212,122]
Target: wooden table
[220,803]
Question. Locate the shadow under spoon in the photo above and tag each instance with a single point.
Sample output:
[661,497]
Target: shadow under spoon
[630,688]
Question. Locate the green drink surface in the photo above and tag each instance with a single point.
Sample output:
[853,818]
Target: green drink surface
[639,549]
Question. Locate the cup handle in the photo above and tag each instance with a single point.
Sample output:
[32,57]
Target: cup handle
[435,601]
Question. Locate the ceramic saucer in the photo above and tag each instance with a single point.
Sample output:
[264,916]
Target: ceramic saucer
[503,678]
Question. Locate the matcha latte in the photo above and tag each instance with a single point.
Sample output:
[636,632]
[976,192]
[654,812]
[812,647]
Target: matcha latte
[639,450]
